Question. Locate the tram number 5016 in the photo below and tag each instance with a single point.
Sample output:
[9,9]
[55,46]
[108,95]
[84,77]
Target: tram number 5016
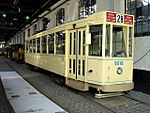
[119,18]
[118,63]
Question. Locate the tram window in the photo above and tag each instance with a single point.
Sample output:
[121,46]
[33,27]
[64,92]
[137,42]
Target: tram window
[83,42]
[51,43]
[34,45]
[130,41]
[70,43]
[83,67]
[74,46]
[118,45]
[60,42]
[74,65]
[44,44]
[27,43]
[30,46]
[95,49]
[38,45]
[79,42]
[70,65]
[107,41]
[79,66]
[28,32]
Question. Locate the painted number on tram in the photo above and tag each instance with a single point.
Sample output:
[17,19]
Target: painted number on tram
[118,63]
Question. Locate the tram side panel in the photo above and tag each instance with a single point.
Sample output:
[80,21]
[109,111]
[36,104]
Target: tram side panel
[51,63]
[112,76]
[104,73]
[95,71]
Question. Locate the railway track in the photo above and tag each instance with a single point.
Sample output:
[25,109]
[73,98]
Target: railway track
[138,100]
[91,97]
[100,104]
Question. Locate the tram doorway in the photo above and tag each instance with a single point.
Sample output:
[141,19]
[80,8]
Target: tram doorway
[76,57]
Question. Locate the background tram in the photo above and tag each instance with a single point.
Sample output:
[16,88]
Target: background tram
[93,52]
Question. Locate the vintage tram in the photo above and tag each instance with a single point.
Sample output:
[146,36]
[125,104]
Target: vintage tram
[16,52]
[93,52]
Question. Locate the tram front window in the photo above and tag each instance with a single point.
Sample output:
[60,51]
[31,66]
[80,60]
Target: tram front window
[118,46]
[95,49]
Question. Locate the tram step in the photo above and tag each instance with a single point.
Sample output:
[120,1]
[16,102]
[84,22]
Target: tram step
[76,84]
[108,95]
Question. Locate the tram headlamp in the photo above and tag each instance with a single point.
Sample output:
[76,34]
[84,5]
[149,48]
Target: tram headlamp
[119,70]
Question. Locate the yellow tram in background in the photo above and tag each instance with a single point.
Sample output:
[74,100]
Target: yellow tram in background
[1,51]
[93,52]
[16,52]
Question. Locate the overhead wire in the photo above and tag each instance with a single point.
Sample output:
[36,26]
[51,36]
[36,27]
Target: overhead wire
[142,57]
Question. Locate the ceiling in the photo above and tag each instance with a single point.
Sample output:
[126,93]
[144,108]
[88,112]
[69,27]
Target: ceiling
[16,12]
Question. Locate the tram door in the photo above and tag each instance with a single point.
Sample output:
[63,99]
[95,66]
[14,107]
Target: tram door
[77,54]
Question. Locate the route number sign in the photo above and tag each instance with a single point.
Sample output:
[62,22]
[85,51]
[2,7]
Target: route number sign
[119,18]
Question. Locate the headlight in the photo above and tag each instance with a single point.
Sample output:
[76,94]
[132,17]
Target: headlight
[119,70]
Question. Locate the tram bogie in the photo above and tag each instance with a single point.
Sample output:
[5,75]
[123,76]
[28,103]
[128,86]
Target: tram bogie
[93,52]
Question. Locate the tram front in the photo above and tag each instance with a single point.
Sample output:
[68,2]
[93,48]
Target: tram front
[110,59]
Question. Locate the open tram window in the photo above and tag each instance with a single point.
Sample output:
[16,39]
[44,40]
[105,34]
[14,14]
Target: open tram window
[51,43]
[44,50]
[95,49]
[38,45]
[60,42]
[118,43]
[130,41]
[107,41]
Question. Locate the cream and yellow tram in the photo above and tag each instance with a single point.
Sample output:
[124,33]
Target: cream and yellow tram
[93,52]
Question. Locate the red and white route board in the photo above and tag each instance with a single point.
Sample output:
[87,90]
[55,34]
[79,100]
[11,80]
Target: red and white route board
[118,18]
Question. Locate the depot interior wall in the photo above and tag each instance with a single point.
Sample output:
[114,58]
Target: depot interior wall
[111,5]
[142,53]
[72,12]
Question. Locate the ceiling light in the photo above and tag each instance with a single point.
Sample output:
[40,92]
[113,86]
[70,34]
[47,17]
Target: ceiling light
[27,18]
[4,15]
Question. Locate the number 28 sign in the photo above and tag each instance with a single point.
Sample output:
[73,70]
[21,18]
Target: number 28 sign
[118,18]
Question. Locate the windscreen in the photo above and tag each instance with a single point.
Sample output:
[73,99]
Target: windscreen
[118,44]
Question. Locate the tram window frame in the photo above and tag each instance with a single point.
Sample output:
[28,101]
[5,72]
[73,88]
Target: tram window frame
[29,32]
[130,41]
[60,42]
[34,45]
[84,36]
[44,44]
[27,46]
[95,48]
[116,41]
[51,43]
[70,50]
[38,45]
[30,46]
[107,40]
